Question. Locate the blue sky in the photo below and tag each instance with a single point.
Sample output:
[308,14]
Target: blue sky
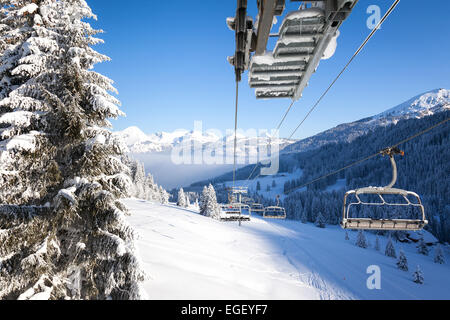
[169,65]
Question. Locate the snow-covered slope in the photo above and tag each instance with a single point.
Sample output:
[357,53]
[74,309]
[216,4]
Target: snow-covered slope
[188,256]
[420,106]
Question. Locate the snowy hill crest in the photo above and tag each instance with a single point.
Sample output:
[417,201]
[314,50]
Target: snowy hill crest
[420,106]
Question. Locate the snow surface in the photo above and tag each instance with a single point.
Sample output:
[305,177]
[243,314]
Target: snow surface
[188,256]
[422,105]
[264,181]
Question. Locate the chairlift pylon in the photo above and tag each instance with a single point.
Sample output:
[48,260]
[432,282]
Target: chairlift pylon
[382,193]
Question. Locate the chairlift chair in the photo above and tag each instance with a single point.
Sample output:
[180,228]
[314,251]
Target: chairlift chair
[234,212]
[275,212]
[382,193]
[257,208]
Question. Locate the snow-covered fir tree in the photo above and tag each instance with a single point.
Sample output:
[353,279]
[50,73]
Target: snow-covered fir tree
[439,255]
[203,200]
[64,235]
[402,261]
[181,202]
[418,276]
[390,250]
[188,202]
[346,236]
[304,217]
[209,206]
[361,240]
[320,220]
[164,195]
[377,243]
[422,247]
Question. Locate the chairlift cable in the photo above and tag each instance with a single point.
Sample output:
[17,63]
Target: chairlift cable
[391,9]
[371,156]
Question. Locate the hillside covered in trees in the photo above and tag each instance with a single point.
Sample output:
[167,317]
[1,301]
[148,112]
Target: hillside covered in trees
[424,169]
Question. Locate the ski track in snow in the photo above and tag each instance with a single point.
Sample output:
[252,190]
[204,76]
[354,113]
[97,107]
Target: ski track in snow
[189,256]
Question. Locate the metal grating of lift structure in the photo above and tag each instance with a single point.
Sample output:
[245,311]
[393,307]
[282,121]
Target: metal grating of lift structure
[305,37]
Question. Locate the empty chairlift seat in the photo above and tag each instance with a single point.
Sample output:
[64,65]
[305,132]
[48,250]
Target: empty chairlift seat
[257,208]
[235,212]
[387,198]
[275,213]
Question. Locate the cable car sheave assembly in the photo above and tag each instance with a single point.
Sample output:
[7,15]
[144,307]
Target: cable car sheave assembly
[381,193]
[305,37]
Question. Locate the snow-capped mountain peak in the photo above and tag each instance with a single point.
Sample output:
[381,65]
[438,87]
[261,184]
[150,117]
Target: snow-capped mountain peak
[138,142]
[422,105]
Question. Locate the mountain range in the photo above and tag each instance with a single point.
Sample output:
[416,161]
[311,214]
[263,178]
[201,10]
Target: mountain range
[420,106]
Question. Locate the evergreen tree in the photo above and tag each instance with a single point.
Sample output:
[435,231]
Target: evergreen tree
[213,209]
[188,202]
[164,195]
[258,186]
[181,202]
[204,201]
[402,262]
[64,232]
[418,276]
[390,250]
[320,220]
[361,240]
[304,217]
[274,184]
[377,244]
[422,247]
[439,255]
[346,236]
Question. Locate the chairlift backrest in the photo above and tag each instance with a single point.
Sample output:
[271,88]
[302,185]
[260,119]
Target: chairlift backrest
[381,193]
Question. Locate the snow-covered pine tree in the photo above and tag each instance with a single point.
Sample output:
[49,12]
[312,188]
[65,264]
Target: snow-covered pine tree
[422,247]
[181,202]
[139,180]
[320,220]
[164,195]
[64,235]
[188,202]
[346,236]
[304,217]
[390,250]
[361,240]
[258,186]
[418,276]
[377,244]
[439,255]
[402,261]
[212,207]
[203,201]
